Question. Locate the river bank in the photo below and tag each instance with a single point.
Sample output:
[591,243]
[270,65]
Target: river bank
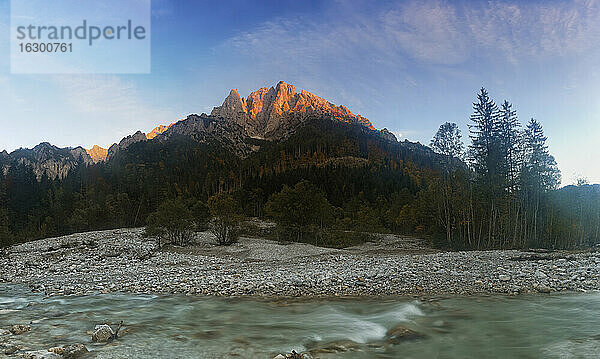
[123,261]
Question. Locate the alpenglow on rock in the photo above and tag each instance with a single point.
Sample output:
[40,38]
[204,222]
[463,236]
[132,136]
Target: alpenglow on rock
[271,113]
[97,153]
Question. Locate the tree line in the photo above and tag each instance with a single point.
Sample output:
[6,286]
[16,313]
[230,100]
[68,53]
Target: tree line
[507,194]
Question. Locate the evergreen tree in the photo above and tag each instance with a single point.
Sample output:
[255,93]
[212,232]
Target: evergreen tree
[484,151]
[540,174]
[486,159]
[509,145]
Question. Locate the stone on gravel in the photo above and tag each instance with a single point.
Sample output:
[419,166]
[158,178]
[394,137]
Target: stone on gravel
[389,265]
[543,289]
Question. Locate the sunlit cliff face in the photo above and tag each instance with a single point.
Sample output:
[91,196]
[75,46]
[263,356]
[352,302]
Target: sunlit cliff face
[97,153]
[265,113]
[262,112]
[157,131]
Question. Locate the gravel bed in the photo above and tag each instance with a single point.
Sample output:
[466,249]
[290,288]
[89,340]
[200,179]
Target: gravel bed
[123,261]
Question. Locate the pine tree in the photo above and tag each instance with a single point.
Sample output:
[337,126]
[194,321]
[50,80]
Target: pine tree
[540,165]
[484,151]
[540,174]
[509,145]
[486,159]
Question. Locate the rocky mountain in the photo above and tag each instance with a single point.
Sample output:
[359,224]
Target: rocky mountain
[157,131]
[204,129]
[272,113]
[97,153]
[124,143]
[47,159]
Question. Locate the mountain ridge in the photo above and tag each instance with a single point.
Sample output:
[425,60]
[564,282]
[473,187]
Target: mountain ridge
[269,113]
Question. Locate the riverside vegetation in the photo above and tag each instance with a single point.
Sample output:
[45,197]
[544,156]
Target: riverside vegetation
[325,182]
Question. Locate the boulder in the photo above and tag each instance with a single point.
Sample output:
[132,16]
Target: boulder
[57,350]
[11,349]
[400,333]
[4,332]
[103,334]
[73,351]
[20,329]
[340,346]
[40,354]
[504,278]
[543,289]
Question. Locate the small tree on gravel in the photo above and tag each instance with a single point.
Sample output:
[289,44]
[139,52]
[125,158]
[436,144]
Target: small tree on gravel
[173,222]
[200,213]
[227,218]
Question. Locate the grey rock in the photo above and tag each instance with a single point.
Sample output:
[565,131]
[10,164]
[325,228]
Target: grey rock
[73,351]
[20,329]
[400,333]
[40,354]
[11,349]
[103,334]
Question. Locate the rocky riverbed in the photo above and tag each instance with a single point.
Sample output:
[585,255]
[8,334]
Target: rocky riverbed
[123,261]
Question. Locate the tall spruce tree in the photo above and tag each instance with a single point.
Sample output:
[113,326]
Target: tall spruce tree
[484,151]
[540,174]
[540,165]
[486,159]
[509,145]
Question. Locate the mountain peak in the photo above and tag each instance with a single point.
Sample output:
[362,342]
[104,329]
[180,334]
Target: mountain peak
[273,112]
[158,130]
[97,153]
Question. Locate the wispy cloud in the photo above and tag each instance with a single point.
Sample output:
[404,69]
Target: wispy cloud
[427,31]
[536,30]
[435,32]
[108,101]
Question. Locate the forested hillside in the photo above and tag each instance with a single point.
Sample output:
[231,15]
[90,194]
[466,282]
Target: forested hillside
[500,191]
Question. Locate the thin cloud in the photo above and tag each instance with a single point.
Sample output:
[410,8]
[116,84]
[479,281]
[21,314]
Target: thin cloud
[519,31]
[433,32]
[427,31]
[115,102]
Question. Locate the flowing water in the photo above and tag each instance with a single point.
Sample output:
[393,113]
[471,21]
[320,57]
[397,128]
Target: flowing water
[564,326]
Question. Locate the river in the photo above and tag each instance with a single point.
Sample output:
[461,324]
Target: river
[560,326]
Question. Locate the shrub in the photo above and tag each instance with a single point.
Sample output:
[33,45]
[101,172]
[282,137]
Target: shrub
[226,218]
[173,222]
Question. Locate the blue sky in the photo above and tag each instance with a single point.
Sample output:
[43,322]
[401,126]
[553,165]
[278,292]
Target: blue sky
[406,65]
